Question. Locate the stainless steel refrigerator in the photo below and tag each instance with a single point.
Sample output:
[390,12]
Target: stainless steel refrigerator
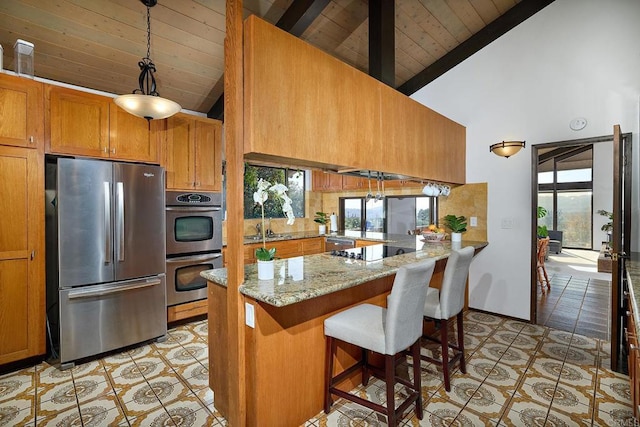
[105,233]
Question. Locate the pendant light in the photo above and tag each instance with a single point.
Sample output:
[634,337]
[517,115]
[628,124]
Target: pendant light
[145,101]
[506,148]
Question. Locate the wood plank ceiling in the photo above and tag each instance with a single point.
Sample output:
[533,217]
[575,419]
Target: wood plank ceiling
[97,43]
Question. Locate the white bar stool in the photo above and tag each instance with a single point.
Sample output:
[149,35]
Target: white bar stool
[387,331]
[441,305]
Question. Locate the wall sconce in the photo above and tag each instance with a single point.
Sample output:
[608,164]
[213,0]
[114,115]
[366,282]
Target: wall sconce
[506,148]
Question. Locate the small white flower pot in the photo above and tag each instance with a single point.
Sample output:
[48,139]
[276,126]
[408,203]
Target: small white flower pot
[265,270]
[456,237]
[322,229]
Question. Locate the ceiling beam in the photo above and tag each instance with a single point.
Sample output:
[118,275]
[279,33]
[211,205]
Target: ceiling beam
[295,20]
[510,19]
[382,55]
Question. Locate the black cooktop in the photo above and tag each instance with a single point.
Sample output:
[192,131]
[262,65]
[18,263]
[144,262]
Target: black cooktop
[372,253]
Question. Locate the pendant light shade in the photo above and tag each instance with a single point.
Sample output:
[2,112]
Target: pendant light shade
[506,148]
[145,101]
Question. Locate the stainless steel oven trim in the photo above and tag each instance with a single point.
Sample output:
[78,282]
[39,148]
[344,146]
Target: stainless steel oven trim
[192,209]
[199,259]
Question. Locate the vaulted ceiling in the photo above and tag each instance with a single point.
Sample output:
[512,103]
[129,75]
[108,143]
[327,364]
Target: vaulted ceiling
[97,43]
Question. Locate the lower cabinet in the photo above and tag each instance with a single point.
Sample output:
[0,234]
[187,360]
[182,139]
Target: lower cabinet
[22,258]
[286,248]
[633,360]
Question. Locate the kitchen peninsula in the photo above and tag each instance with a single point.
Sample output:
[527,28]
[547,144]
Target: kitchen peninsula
[284,337]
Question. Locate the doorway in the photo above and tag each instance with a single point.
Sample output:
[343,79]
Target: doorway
[572,180]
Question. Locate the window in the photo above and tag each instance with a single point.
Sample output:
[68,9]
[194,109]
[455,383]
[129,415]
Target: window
[391,215]
[292,178]
[565,184]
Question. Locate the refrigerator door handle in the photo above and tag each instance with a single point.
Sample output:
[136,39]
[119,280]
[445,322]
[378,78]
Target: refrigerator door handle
[108,252]
[103,290]
[120,219]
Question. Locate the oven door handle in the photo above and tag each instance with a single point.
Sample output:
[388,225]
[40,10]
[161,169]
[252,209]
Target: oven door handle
[103,290]
[193,208]
[192,258]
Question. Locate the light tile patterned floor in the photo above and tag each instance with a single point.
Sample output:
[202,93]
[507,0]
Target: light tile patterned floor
[518,375]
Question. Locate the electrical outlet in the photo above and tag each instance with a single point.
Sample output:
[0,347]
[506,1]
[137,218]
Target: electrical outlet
[473,221]
[249,315]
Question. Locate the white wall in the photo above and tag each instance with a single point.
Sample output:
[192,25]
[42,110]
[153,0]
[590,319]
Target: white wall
[575,58]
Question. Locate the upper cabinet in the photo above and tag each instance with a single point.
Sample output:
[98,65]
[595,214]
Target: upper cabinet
[303,104]
[193,154]
[433,146]
[305,107]
[21,112]
[324,181]
[85,124]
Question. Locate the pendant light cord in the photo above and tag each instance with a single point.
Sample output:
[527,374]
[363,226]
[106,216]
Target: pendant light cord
[148,33]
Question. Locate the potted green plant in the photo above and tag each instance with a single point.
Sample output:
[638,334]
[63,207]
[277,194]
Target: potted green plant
[457,225]
[322,218]
[542,229]
[608,227]
[266,256]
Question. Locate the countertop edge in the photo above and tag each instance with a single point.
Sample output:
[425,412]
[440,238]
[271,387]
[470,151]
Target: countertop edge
[219,277]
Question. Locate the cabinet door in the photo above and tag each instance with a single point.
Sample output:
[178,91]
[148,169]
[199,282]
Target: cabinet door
[326,181]
[180,153]
[313,246]
[354,183]
[77,122]
[130,137]
[208,148]
[22,312]
[287,248]
[21,112]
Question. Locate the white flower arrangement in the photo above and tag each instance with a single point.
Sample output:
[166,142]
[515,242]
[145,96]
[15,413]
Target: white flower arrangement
[260,196]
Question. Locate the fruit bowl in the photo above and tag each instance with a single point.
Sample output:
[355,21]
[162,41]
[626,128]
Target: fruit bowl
[433,237]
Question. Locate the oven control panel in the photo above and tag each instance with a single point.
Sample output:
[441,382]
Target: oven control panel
[177,198]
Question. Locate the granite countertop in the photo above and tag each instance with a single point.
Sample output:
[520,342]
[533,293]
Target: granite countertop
[358,235]
[305,277]
[633,276]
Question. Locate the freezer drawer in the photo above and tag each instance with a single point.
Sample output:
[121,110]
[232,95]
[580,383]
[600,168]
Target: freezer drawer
[100,318]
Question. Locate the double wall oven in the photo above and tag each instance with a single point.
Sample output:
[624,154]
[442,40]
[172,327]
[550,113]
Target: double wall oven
[194,243]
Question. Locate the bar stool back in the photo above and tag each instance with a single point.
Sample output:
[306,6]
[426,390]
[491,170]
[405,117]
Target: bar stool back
[443,304]
[387,331]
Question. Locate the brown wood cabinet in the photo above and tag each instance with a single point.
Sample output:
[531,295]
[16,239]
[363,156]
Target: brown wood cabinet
[22,258]
[633,359]
[286,248]
[85,124]
[325,114]
[21,112]
[193,154]
[335,117]
[356,183]
[433,146]
[325,181]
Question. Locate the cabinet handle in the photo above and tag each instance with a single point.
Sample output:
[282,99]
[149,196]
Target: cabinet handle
[197,183]
[113,151]
[31,139]
[105,150]
[33,255]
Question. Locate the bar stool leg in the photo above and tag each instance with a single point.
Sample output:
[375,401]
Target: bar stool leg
[417,377]
[444,339]
[463,364]
[331,348]
[365,367]
[390,379]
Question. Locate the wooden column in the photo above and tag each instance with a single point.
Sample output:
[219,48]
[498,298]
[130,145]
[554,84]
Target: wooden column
[231,402]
